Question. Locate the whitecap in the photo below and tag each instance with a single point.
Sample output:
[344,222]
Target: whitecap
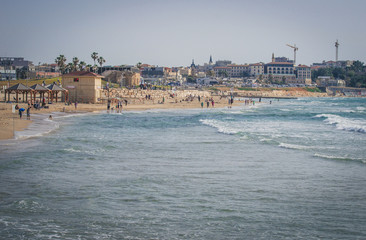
[293,146]
[342,123]
[221,127]
[339,157]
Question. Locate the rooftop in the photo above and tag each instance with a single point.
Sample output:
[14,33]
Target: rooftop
[82,74]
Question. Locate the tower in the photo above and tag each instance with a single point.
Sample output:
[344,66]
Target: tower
[273,58]
[210,62]
[193,65]
[336,45]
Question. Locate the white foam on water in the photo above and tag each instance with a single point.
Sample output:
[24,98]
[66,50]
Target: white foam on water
[361,109]
[339,157]
[343,123]
[293,146]
[40,126]
[221,127]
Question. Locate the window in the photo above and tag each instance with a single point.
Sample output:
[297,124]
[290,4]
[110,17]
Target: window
[76,79]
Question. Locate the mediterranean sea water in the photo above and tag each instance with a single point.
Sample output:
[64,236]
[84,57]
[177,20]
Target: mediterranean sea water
[293,169]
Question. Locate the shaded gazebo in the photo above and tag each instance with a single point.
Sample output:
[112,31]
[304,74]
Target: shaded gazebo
[18,89]
[37,88]
[55,89]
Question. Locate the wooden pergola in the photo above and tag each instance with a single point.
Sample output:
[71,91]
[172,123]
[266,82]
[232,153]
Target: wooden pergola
[18,89]
[37,88]
[55,89]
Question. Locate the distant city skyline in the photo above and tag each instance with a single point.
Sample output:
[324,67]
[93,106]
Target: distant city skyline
[172,33]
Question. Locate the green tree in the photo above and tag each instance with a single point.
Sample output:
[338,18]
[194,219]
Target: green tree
[339,73]
[75,62]
[357,66]
[94,56]
[70,67]
[82,65]
[101,61]
[60,61]
[88,67]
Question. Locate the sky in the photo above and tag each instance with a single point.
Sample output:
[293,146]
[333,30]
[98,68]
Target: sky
[172,33]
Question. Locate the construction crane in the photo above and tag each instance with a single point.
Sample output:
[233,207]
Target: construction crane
[295,49]
[336,45]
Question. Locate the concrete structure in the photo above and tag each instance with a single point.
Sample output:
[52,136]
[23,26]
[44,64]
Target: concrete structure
[256,69]
[153,72]
[303,73]
[340,63]
[222,71]
[8,75]
[131,79]
[222,63]
[280,72]
[346,91]
[238,70]
[327,81]
[14,62]
[83,86]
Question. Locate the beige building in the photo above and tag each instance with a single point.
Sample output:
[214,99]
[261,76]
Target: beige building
[303,73]
[327,81]
[238,70]
[83,86]
[131,79]
[256,69]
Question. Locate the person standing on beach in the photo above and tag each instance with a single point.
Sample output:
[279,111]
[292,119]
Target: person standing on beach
[208,104]
[76,104]
[213,103]
[201,104]
[20,113]
[28,113]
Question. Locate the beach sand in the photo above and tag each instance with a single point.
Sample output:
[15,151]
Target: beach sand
[10,122]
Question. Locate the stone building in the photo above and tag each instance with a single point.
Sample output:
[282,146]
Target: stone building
[83,86]
[131,79]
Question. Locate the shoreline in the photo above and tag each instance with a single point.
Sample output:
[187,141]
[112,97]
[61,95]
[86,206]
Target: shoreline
[11,125]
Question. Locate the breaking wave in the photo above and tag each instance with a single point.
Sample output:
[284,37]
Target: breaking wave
[343,123]
[222,127]
[339,158]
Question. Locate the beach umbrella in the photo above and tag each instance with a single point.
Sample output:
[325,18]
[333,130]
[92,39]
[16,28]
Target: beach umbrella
[21,109]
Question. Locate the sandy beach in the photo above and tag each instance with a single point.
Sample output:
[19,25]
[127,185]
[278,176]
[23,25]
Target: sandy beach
[11,122]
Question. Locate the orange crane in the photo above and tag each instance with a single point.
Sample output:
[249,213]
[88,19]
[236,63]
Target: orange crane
[295,49]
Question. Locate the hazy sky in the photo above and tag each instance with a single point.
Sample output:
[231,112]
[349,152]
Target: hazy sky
[172,33]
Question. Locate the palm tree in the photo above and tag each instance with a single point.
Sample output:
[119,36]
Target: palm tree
[94,56]
[101,60]
[75,62]
[88,67]
[82,65]
[60,60]
[138,65]
[69,67]
[95,68]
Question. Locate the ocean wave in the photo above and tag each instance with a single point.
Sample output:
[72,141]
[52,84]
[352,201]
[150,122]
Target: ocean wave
[293,146]
[343,123]
[221,127]
[339,157]
[38,128]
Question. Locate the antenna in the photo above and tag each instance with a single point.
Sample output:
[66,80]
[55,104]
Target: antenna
[336,45]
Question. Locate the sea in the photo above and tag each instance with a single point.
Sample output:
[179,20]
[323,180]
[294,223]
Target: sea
[278,169]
